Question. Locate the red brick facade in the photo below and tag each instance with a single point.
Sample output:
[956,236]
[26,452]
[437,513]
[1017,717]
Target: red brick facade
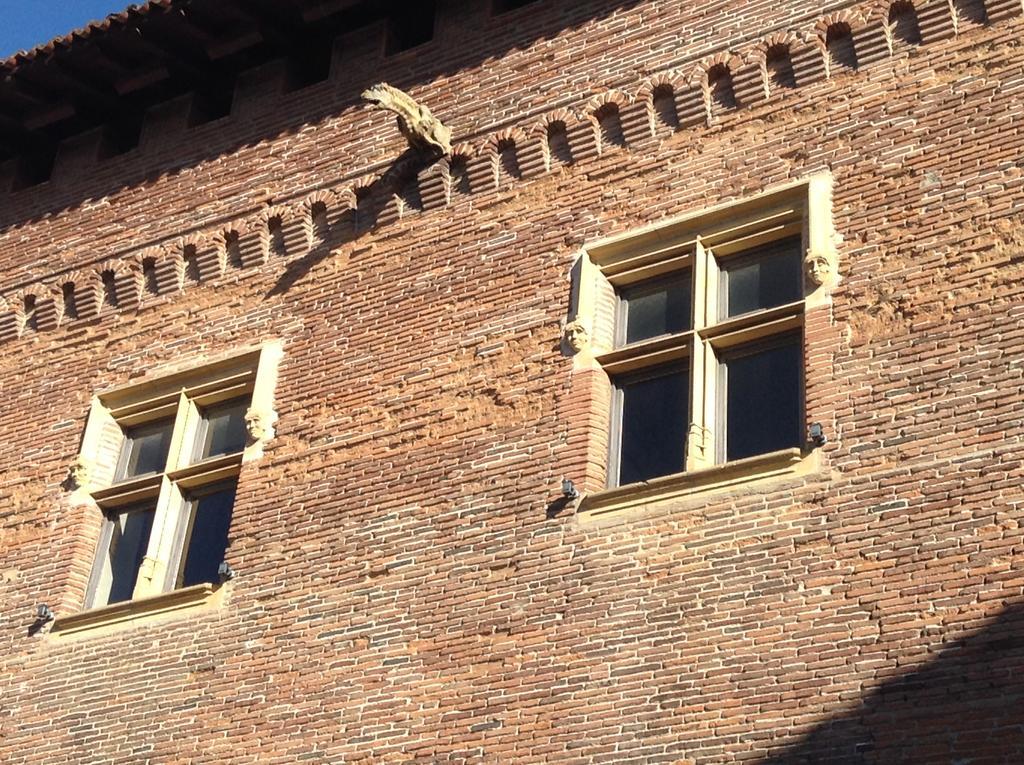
[408,588]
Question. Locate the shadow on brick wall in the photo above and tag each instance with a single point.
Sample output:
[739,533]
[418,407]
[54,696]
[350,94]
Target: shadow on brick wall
[963,707]
[372,204]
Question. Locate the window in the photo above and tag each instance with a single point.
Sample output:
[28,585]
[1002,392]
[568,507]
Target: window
[704,346]
[164,461]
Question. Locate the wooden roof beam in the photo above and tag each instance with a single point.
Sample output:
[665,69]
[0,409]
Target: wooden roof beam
[278,27]
[131,50]
[82,98]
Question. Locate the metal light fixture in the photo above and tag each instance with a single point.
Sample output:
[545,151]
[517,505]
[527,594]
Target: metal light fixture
[225,572]
[44,613]
[569,490]
[816,434]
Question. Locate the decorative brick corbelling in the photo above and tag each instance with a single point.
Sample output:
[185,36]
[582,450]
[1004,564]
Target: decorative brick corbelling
[663,121]
[434,184]
[935,21]
[457,176]
[690,105]
[608,115]
[174,257]
[26,317]
[699,73]
[595,103]
[788,39]
[276,216]
[503,149]
[148,283]
[540,131]
[45,311]
[848,16]
[125,286]
[1001,10]
[48,311]
[532,159]
[207,257]
[726,63]
[749,84]
[229,247]
[808,61]
[319,199]
[968,13]
[250,246]
[637,125]
[168,271]
[9,328]
[871,43]
[877,11]
[391,211]
[480,170]
[85,293]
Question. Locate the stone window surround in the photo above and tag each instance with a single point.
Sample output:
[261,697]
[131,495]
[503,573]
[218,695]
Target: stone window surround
[800,206]
[251,372]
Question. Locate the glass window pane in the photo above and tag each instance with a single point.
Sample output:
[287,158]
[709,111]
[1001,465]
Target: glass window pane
[766,277]
[653,423]
[223,429]
[209,537]
[763,400]
[128,542]
[655,308]
[145,449]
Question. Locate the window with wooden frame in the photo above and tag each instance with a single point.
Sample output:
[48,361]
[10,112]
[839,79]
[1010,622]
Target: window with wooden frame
[698,325]
[164,459]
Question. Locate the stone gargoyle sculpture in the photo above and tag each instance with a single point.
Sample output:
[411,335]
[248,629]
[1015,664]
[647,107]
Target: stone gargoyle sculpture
[421,128]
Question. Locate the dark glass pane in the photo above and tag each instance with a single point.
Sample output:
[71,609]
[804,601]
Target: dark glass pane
[653,426]
[661,307]
[763,401]
[128,544]
[209,538]
[146,448]
[770,276]
[224,429]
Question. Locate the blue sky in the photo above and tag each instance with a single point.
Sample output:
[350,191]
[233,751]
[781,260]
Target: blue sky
[27,23]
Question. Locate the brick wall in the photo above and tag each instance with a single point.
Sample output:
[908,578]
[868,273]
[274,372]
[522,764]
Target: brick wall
[404,593]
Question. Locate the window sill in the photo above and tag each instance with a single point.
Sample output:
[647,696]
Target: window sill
[642,495]
[136,611]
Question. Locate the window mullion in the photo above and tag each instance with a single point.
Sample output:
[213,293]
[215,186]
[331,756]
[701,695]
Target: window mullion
[178,528]
[700,286]
[699,446]
[153,570]
[183,437]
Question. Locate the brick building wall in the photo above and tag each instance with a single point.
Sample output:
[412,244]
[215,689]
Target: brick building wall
[409,589]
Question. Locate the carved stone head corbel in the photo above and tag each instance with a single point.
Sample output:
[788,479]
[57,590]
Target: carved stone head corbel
[258,425]
[576,336]
[79,473]
[820,269]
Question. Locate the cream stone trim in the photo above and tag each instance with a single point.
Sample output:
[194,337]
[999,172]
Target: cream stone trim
[659,492]
[106,619]
[261,405]
[822,239]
